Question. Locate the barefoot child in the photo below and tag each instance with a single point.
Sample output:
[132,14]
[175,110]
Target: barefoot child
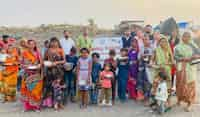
[161,95]
[83,79]
[58,93]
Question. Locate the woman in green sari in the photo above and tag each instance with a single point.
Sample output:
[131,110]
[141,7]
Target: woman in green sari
[163,59]
[185,84]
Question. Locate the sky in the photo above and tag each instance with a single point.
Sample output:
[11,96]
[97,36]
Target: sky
[106,13]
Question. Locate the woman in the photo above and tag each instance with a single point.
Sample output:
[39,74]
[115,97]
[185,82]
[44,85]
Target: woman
[133,69]
[163,58]
[144,78]
[10,74]
[54,54]
[185,84]
[32,82]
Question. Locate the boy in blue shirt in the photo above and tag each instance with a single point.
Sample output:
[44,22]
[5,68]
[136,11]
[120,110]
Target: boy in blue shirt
[96,69]
[69,76]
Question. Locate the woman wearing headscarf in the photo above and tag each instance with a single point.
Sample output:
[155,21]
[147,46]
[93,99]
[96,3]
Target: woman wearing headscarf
[164,60]
[32,79]
[185,84]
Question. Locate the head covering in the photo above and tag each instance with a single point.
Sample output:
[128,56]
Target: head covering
[163,37]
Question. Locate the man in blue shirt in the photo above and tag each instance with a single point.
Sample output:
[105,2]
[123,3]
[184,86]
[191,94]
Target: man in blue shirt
[126,39]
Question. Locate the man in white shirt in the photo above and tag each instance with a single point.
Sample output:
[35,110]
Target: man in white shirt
[67,43]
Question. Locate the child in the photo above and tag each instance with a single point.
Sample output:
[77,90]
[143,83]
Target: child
[111,60]
[106,77]
[96,69]
[161,95]
[69,75]
[84,68]
[58,93]
[144,77]
[133,69]
[123,67]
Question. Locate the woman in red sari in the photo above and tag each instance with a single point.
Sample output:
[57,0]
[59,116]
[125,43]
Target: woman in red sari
[32,82]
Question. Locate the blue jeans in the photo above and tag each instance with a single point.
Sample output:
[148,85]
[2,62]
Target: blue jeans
[122,83]
[70,81]
[94,95]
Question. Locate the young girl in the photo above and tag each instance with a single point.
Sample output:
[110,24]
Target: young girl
[84,71]
[111,60]
[133,69]
[106,77]
[58,93]
[123,67]
[161,95]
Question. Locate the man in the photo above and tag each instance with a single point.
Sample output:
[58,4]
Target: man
[148,30]
[84,41]
[66,42]
[126,39]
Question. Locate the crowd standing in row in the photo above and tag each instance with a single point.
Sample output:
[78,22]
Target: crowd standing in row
[64,70]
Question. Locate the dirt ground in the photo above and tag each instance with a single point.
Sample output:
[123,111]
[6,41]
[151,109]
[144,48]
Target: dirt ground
[128,109]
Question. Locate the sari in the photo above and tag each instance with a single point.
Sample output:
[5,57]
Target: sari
[185,78]
[165,59]
[9,76]
[32,82]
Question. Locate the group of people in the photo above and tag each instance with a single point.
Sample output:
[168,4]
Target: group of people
[149,66]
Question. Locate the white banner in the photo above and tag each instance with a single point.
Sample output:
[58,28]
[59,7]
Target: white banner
[102,45]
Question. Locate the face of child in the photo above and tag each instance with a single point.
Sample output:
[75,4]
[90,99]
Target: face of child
[84,54]
[107,68]
[133,44]
[95,59]
[123,53]
[3,51]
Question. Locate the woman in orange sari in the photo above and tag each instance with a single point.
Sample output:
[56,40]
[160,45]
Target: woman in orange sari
[10,74]
[32,81]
